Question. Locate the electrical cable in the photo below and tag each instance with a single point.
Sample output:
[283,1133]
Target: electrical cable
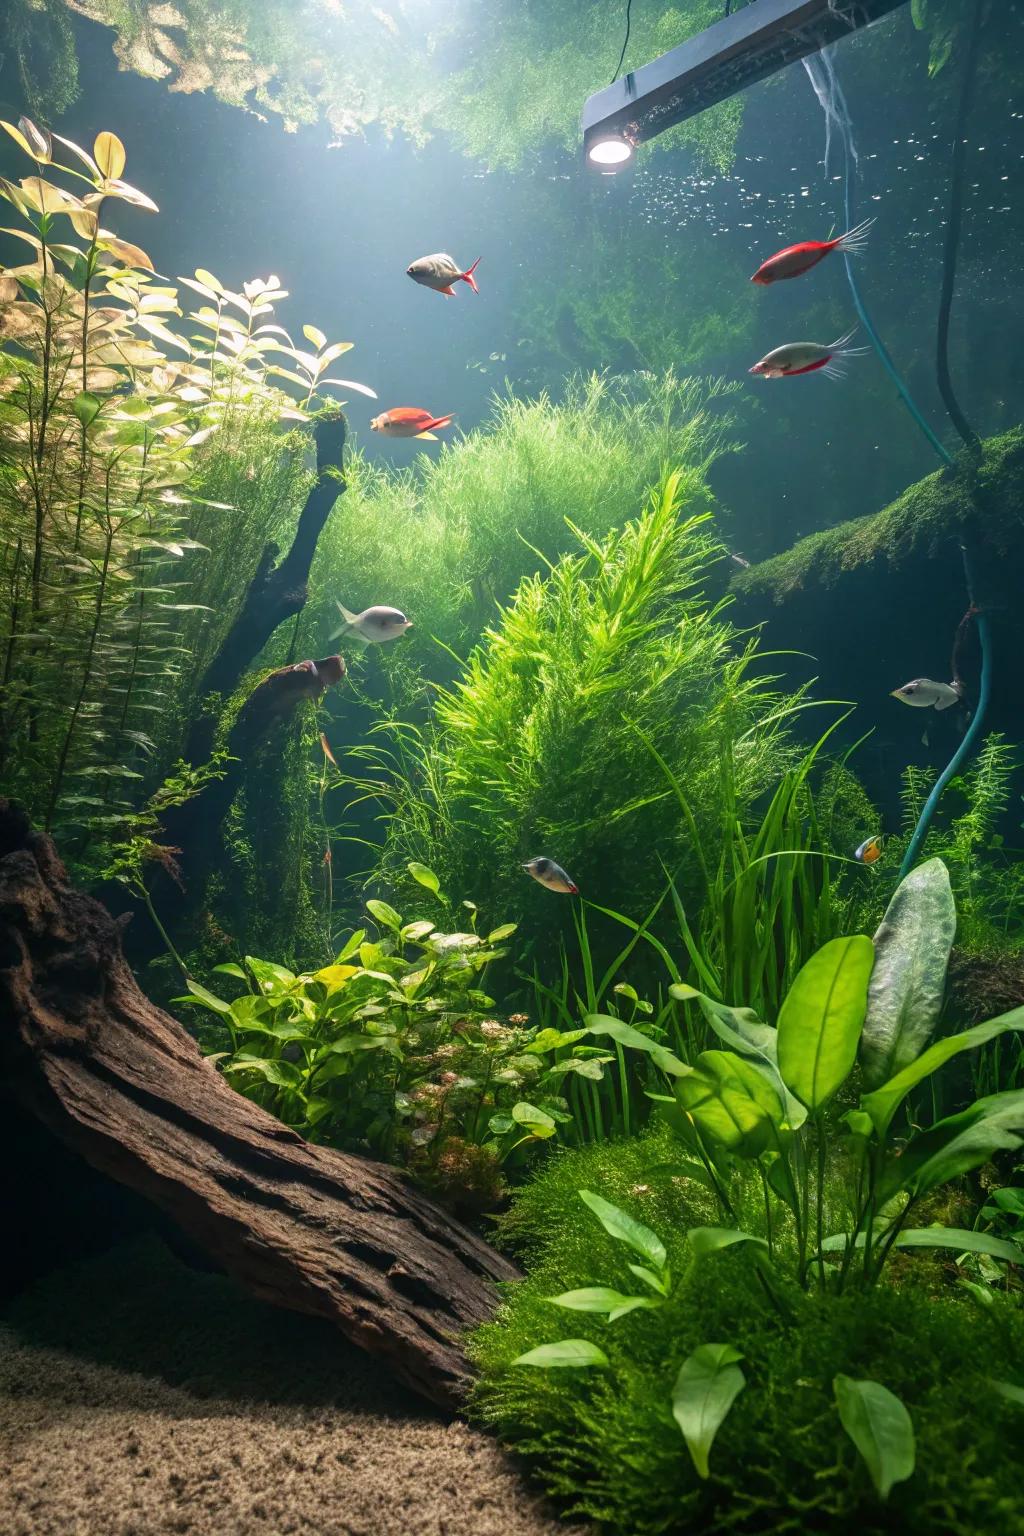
[625,44]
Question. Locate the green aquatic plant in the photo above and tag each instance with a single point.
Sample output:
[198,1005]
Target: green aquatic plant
[766,1101]
[392,1049]
[38,37]
[605,1441]
[105,410]
[549,740]
[464,528]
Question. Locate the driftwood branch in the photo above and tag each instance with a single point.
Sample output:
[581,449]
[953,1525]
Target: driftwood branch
[122,1084]
[278,589]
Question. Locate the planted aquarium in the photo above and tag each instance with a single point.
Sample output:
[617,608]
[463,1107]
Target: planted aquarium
[511,767]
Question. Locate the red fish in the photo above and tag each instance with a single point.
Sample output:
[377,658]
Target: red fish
[797,259]
[408,421]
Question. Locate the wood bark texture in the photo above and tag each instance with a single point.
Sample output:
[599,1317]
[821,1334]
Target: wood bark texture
[121,1083]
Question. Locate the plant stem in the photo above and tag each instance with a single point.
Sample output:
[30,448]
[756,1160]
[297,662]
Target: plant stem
[820,1201]
[162,931]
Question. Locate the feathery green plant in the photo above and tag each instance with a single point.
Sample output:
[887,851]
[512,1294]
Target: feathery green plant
[544,744]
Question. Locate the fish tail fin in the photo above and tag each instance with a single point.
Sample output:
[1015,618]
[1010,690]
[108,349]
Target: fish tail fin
[574,889]
[438,421]
[467,276]
[349,618]
[855,239]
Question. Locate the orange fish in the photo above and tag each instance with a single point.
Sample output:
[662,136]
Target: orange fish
[408,421]
[870,850]
[327,750]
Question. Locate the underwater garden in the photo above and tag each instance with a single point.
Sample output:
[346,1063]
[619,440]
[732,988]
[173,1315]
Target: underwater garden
[512,767]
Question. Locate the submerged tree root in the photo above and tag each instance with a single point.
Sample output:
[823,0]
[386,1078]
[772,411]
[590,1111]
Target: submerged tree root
[122,1084]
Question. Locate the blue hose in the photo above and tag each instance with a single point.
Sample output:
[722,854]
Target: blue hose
[973,732]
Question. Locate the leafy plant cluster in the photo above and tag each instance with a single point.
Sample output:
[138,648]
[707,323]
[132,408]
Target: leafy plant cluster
[105,409]
[758,1112]
[393,1049]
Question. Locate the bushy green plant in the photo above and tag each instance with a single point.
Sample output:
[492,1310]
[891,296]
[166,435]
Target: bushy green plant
[605,1440]
[391,1049]
[461,530]
[550,741]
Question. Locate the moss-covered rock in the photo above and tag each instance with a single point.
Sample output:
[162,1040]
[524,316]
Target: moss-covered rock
[917,525]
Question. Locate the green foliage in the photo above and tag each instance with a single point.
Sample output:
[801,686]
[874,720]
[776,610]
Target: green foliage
[605,1441]
[105,413]
[38,36]
[504,81]
[463,529]
[552,739]
[389,1050]
[737,1106]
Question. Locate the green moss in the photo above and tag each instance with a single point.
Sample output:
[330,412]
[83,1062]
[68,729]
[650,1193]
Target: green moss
[605,1440]
[914,526]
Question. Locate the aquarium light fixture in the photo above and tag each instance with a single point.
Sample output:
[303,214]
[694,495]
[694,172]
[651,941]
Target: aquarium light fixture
[753,42]
[610,153]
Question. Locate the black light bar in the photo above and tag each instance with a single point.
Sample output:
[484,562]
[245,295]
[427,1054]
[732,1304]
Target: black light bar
[752,43]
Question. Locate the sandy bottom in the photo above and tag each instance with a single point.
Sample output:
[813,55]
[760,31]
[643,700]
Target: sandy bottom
[139,1397]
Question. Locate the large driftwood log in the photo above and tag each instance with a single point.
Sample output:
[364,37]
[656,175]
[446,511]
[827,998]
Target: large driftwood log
[122,1084]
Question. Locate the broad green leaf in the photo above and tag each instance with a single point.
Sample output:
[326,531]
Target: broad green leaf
[956,1145]
[108,152]
[425,877]
[316,336]
[201,994]
[350,946]
[732,1101]
[1010,1391]
[659,1283]
[86,407]
[708,1384]
[505,931]
[413,932]
[821,1019]
[566,1352]
[552,1039]
[704,1240]
[908,983]
[384,914]
[884,1102]
[625,1229]
[538,1121]
[582,1066]
[744,1032]
[601,1298]
[283,1074]
[229,968]
[959,1239]
[625,1034]
[335,976]
[879,1426]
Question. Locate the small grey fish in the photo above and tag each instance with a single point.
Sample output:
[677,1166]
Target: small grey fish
[374,625]
[546,872]
[440,271]
[923,693]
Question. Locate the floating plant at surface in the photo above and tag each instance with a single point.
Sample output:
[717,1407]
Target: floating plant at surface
[105,409]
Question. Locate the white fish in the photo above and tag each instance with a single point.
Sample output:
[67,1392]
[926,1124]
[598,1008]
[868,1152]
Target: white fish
[440,272]
[807,357]
[923,693]
[374,625]
[547,872]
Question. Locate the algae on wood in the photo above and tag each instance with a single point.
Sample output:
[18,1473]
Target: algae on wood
[919,524]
